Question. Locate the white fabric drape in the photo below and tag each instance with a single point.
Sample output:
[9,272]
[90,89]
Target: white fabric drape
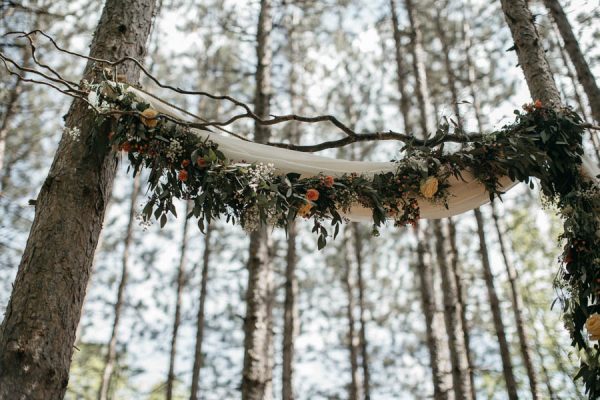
[464,195]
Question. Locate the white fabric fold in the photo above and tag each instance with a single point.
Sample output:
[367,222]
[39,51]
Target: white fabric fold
[464,195]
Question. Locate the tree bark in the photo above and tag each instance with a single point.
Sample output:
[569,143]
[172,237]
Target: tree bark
[452,314]
[530,52]
[354,389]
[457,272]
[441,382]
[400,70]
[10,105]
[258,340]
[507,367]
[290,316]
[418,62]
[38,331]
[181,278]
[111,354]
[198,357]
[364,354]
[517,303]
[584,73]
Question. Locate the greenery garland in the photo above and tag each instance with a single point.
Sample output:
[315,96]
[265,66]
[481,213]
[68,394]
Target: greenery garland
[543,143]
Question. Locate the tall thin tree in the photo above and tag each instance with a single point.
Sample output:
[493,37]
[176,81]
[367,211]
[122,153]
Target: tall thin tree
[38,331]
[111,353]
[258,341]
[180,285]
[198,357]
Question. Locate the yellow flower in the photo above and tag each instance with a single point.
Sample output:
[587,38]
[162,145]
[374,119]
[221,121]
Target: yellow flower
[149,117]
[429,187]
[593,326]
[304,211]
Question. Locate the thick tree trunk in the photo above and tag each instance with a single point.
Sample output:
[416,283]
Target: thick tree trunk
[507,367]
[442,385]
[517,303]
[111,354]
[452,314]
[400,70]
[354,389]
[584,73]
[198,358]
[364,354]
[530,52]
[258,340]
[181,278]
[38,331]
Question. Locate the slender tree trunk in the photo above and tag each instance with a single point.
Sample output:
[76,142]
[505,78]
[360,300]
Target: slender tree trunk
[11,103]
[530,52]
[181,278]
[354,389]
[507,367]
[38,331]
[576,94]
[457,275]
[290,312]
[517,303]
[400,70]
[198,357]
[258,341]
[442,379]
[290,316]
[364,354]
[441,384]
[584,73]
[111,354]
[452,314]
[418,62]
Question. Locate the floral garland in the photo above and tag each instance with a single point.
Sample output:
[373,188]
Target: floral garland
[543,143]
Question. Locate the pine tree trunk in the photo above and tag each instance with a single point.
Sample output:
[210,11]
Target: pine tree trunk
[442,386]
[38,331]
[517,303]
[418,62]
[354,389]
[364,354]
[452,314]
[584,73]
[198,357]
[457,274]
[507,367]
[111,354]
[258,340]
[577,95]
[10,105]
[290,316]
[530,52]
[400,71]
[181,278]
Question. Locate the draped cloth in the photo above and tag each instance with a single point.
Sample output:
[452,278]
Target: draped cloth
[464,194]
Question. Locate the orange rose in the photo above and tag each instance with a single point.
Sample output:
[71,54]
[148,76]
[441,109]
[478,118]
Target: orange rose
[537,104]
[185,163]
[149,117]
[312,194]
[201,162]
[183,175]
[329,181]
